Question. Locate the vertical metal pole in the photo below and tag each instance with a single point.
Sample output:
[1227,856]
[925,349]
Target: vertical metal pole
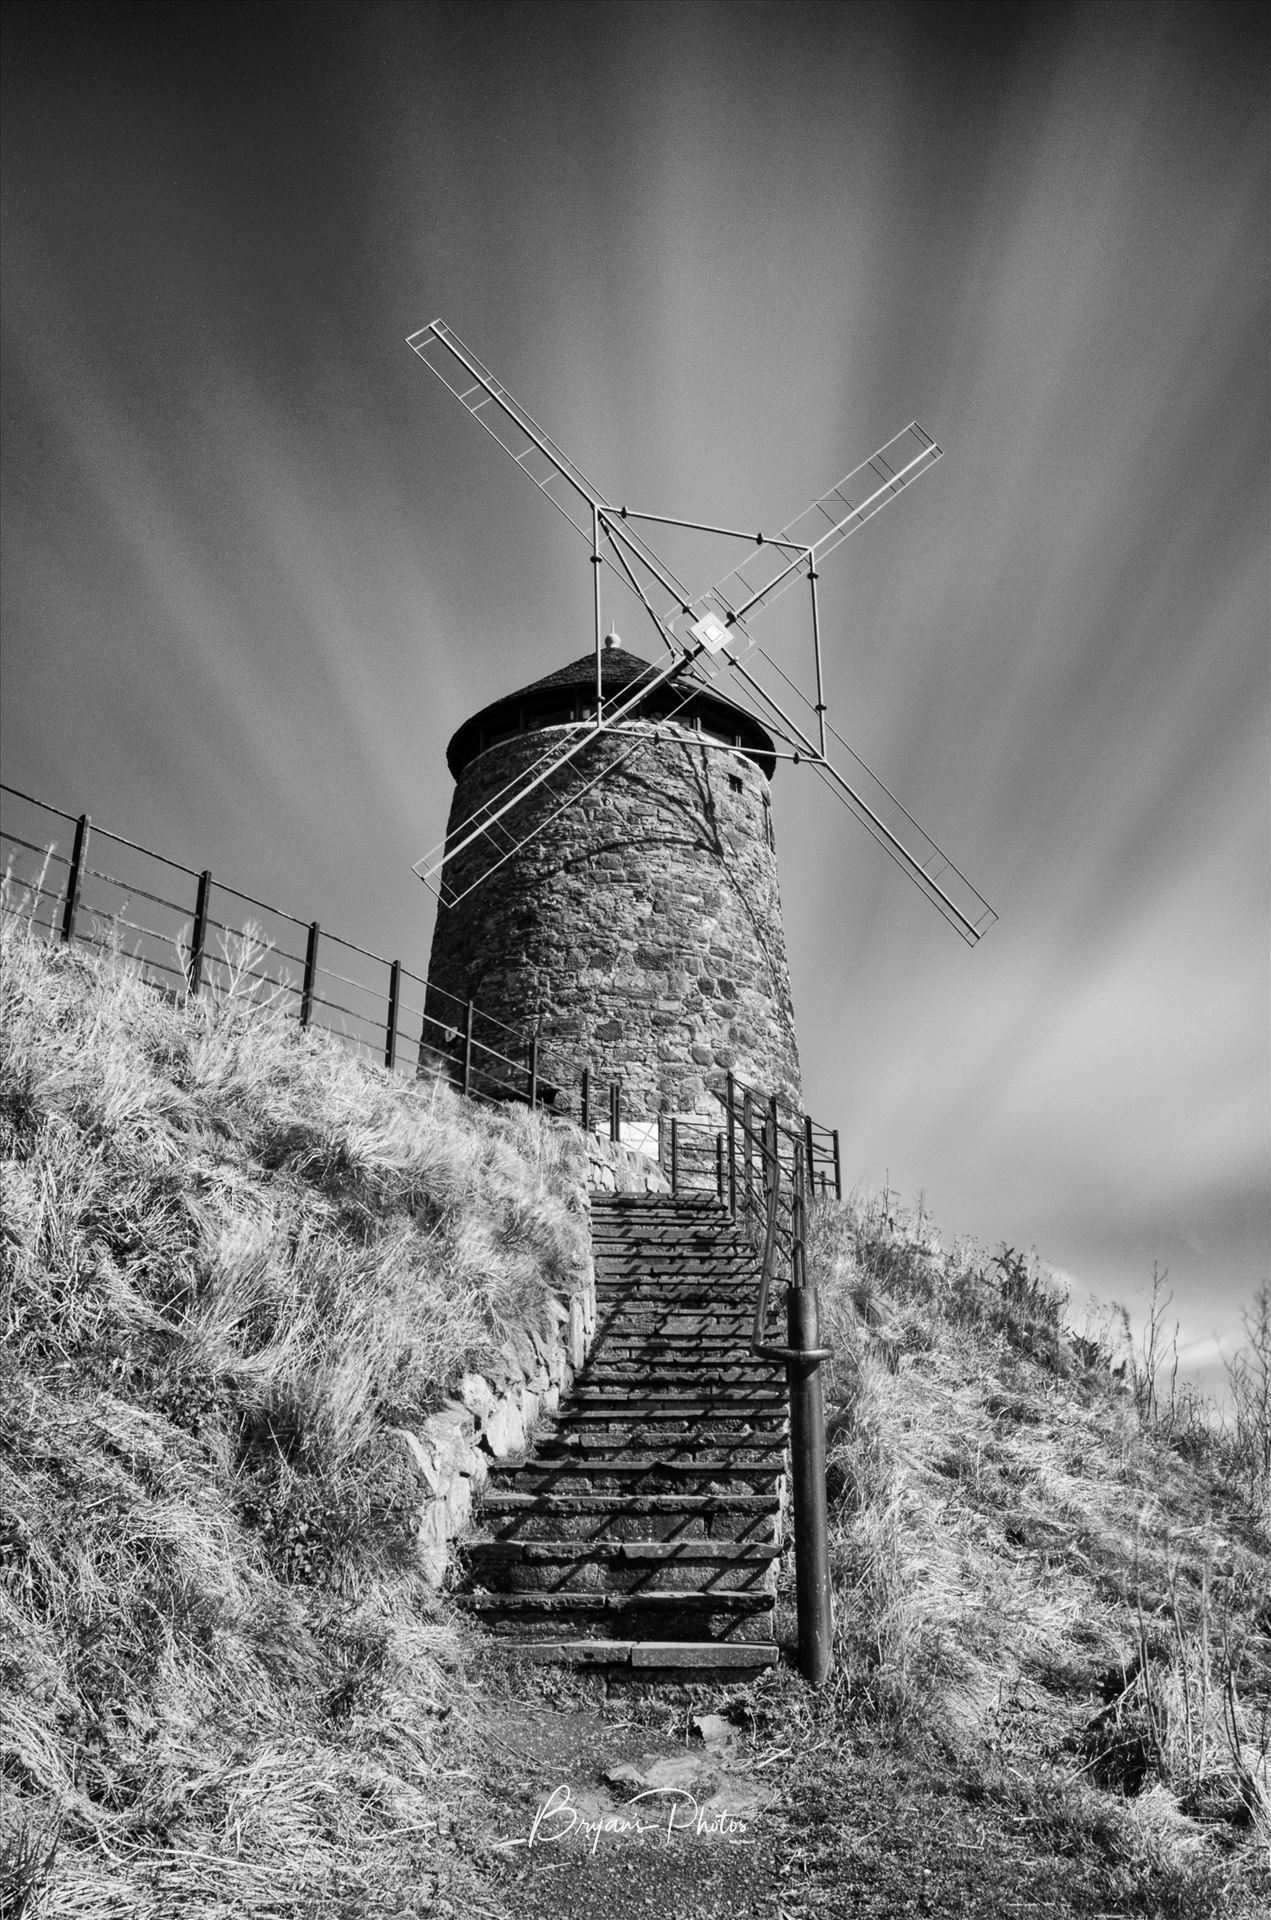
[813,577]
[75,876]
[533,1073]
[467,1047]
[311,974]
[675,1156]
[807,1461]
[394,1001]
[772,1132]
[730,1094]
[838,1170]
[748,1157]
[809,1155]
[198,938]
[615,1113]
[719,1168]
[586,1100]
[596,558]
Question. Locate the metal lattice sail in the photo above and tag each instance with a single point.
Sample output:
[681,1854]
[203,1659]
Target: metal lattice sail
[701,635]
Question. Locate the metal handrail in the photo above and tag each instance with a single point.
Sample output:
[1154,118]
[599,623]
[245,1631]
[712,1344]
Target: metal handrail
[802,1358]
[758,1346]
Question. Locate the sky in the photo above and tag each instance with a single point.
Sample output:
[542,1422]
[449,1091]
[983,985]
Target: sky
[259,564]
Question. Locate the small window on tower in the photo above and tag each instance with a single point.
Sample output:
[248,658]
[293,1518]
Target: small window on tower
[734,781]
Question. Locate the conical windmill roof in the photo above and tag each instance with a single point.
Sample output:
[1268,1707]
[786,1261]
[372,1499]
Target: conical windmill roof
[558,697]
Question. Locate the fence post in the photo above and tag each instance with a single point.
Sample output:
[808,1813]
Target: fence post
[838,1171]
[311,974]
[586,1100]
[533,1073]
[198,938]
[467,1047]
[394,1000]
[75,876]
[675,1155]
[615,1113]
[719,1168]
[730,1094]
[809,1155]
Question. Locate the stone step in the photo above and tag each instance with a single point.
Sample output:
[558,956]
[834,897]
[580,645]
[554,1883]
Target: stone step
[637,1616]
[738,1449]
[620,1476]
[626,1296]
[632,1516]
[642,1383]
[620,1251]
[671,1441]
[629,1262]
[619,1348]
[590,1404]
[653,1659]
[685,1327]
[710,1359]
[667,1375]
[674,1271]
[554,1566]
[693,1442]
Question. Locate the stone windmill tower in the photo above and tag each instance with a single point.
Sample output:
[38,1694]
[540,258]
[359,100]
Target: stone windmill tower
[639,928]
[608,876]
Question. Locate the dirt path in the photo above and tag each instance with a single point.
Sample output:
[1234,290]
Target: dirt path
[618,1811]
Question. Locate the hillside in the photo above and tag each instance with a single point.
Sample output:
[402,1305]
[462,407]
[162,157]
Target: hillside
[240,1265]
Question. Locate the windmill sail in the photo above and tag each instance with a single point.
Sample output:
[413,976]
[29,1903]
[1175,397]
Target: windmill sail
[708,631]
[884,816]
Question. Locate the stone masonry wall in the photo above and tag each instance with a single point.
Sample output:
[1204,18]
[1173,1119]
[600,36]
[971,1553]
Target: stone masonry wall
[642,926]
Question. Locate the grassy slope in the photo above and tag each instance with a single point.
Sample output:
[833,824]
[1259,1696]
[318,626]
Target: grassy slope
[1070,1603]
[237,1260]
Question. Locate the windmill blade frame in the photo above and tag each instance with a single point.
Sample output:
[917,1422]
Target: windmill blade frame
[718,635]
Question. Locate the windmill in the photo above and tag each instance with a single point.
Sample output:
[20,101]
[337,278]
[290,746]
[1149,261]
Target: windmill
[705,634]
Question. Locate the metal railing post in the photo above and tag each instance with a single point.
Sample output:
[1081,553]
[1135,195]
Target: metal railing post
[730,1094]
[311,974]
[838,1171]
[748,1157]
[615,1113]
[719,1168]
[675,1155]
[533,1073]
[807,1463]
[469,1012]
[586,1100]
[198,936]
[394,1002]
[772,1131]
[809,1154]
[75,876]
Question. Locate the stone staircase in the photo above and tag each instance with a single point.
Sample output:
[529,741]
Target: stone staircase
[643,1531]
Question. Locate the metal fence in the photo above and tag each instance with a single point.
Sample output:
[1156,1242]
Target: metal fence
[188,932]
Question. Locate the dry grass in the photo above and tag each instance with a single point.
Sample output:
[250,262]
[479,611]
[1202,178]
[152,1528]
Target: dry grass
[236,1261]
[1030,1568]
